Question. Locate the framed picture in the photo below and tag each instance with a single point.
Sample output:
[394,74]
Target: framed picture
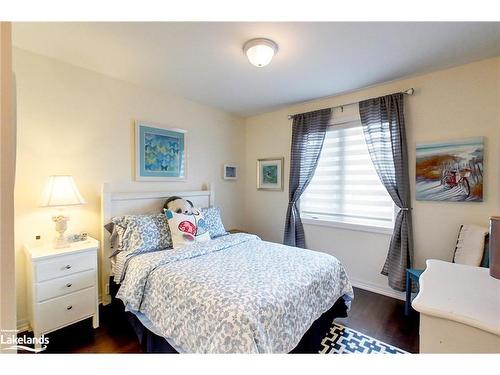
[270,174]
[160,153]
[230,172]
[450,171]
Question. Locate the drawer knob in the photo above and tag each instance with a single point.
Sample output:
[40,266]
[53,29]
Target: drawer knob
[68,267]
[68,285]
[69,307]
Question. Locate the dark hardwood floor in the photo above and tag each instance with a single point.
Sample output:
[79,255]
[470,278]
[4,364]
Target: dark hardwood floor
[372,314]
[383,318]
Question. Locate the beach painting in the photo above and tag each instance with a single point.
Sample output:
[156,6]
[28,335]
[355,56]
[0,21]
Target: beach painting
[160,153]
[450,171]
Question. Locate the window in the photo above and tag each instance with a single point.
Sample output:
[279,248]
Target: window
[345,188]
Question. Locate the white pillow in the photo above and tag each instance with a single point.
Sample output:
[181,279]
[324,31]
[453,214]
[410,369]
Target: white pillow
[470,245]
[187,229]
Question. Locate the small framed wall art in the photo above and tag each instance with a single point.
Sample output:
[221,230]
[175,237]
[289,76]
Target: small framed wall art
[160,153]
[230,172]
[270,174]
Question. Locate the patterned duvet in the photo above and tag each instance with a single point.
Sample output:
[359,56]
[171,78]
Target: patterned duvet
[233,294]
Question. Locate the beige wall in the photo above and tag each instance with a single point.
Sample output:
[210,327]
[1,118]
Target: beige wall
[74,121]
[7,171]
[449,104]
[79,122]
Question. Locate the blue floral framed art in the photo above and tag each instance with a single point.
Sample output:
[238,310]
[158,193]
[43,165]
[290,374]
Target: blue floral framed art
[160,153]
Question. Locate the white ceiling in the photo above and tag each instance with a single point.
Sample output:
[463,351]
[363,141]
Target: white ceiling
[204,61]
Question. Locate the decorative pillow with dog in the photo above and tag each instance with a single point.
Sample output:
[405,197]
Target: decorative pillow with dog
[187,229]
[179,205]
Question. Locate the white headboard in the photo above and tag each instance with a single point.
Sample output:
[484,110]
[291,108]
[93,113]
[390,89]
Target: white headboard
[135,203]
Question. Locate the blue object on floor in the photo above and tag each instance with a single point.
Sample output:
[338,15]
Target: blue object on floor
[412,274]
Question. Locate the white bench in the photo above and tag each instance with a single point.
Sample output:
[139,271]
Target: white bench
[459,309]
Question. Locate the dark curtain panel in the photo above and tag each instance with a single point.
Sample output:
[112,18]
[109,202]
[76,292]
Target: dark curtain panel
[308,134]
[384,129]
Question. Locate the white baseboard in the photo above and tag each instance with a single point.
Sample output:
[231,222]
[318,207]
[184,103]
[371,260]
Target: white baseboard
[23,325]
[386,291]
[104,300]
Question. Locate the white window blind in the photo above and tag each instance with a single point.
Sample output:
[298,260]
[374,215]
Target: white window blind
[345,187]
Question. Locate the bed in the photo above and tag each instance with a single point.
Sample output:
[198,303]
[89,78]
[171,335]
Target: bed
[232,294]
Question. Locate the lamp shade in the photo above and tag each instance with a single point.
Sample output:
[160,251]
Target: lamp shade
[61,191]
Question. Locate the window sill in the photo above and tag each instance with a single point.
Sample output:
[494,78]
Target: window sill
[349,226]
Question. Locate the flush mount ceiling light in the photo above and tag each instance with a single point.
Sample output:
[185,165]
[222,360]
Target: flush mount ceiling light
[260,51]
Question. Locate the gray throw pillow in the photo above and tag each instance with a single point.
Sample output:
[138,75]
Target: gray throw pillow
[141,233]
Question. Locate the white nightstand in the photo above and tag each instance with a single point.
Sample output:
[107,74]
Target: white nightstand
[62,285]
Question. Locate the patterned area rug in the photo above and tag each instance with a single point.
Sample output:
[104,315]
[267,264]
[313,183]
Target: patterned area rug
[343,340]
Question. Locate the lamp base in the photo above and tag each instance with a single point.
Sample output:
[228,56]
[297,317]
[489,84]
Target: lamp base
[60,243]
[61,225]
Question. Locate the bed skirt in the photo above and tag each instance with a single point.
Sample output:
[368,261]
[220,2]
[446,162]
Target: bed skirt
[152,343]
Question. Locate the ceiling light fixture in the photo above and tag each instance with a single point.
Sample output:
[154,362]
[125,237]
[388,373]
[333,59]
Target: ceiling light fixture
[260,51]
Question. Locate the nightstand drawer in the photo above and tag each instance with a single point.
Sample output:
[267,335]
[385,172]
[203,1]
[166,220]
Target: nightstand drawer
[58,312]
[64,265]
[64,285]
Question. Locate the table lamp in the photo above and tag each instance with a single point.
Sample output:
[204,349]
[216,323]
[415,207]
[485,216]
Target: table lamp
[61,191]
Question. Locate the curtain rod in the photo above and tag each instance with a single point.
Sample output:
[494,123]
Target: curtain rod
[409,91]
